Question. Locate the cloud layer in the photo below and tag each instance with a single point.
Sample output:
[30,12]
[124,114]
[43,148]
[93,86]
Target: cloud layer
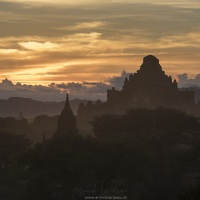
[90,41]
[185,81]
[81,90]
[57,91]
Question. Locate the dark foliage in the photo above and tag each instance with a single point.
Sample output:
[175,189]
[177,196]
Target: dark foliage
[10,124]
[145,121]
[12,173]
[43,124]
[143,154]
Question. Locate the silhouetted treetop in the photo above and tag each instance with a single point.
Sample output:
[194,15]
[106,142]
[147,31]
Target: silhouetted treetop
[145,121]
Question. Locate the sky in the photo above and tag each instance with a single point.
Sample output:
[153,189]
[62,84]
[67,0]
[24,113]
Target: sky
[48,47]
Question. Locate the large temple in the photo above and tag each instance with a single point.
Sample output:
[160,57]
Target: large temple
[149,88]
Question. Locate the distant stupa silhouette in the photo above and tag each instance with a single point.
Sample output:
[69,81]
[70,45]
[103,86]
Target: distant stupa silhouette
[67,120]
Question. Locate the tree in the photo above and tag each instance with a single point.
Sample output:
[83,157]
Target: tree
[12,148]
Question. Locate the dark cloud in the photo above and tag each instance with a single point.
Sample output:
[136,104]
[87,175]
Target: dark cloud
[192,84]
[81,90]
[72,86]
[57,91]
[7,83]
[123,17]
[99,88]
[184,81]
[38,92]
[118,81]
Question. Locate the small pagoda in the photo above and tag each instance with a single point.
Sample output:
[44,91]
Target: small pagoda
[67,120]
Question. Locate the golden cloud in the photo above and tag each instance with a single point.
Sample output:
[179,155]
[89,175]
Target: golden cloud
[38,46]
[47,59]
[85,25]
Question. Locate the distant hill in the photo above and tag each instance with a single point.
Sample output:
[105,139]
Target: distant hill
[31,108]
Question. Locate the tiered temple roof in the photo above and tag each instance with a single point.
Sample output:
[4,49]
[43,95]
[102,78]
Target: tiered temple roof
[148,87]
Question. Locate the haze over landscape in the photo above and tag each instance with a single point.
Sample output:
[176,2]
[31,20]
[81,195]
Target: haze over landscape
[49,48]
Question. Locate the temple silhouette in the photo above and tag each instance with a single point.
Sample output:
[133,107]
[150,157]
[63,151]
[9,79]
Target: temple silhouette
[67,120]
[148,88]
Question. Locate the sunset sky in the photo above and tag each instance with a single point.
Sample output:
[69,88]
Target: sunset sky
[84,45]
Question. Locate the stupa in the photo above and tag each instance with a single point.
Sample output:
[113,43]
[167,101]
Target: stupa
[67,120]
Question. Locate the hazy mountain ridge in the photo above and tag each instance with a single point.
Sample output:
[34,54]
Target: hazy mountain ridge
[13,106]
[31,108]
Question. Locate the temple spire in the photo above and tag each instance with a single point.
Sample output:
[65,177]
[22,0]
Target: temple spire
[67,120]
[67,105]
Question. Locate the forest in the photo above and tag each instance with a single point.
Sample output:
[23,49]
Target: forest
[141,154]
